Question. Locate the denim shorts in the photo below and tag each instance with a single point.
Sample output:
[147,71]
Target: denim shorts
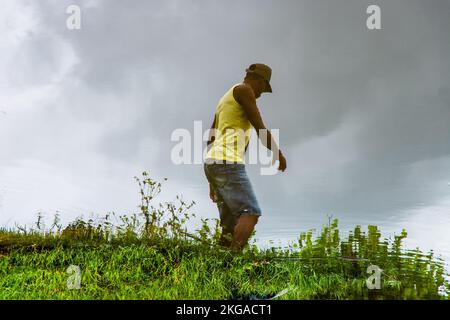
[233,190]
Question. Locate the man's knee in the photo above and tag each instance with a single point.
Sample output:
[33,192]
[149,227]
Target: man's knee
[249,219]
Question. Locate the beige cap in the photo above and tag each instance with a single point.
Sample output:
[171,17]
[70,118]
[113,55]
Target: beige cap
[262,70]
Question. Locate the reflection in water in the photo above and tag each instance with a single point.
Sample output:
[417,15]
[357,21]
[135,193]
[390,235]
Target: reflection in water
[396,272]
[427,231]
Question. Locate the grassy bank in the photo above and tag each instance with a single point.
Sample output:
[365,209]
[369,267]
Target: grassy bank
[150,255]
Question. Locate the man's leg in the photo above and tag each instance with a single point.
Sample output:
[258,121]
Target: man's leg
[235,194]
[226,237]
[243,231]
[227,222]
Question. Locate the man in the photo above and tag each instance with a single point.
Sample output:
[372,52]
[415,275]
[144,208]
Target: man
[230,188]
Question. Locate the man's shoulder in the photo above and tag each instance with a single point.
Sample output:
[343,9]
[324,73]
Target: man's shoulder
[242,87]
[242,90]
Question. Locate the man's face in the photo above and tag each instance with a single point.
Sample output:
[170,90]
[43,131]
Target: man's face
[260,86]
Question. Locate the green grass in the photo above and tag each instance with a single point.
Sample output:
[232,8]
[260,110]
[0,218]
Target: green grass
[143,272]
[151,256]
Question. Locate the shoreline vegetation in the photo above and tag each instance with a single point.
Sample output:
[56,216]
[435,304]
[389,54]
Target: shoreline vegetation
[151,255]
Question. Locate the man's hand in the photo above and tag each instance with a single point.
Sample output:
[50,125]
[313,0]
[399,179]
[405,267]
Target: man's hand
[282,166]
[212,195]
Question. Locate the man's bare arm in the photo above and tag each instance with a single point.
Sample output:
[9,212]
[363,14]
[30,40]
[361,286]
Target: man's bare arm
[212,134]
[211,139]
[246,98]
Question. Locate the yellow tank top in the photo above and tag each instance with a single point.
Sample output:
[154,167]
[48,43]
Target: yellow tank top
[233,130]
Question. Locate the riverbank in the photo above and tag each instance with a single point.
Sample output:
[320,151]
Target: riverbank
[150,255]
[84,266]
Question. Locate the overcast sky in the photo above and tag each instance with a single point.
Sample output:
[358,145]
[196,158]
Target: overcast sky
[364,115]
